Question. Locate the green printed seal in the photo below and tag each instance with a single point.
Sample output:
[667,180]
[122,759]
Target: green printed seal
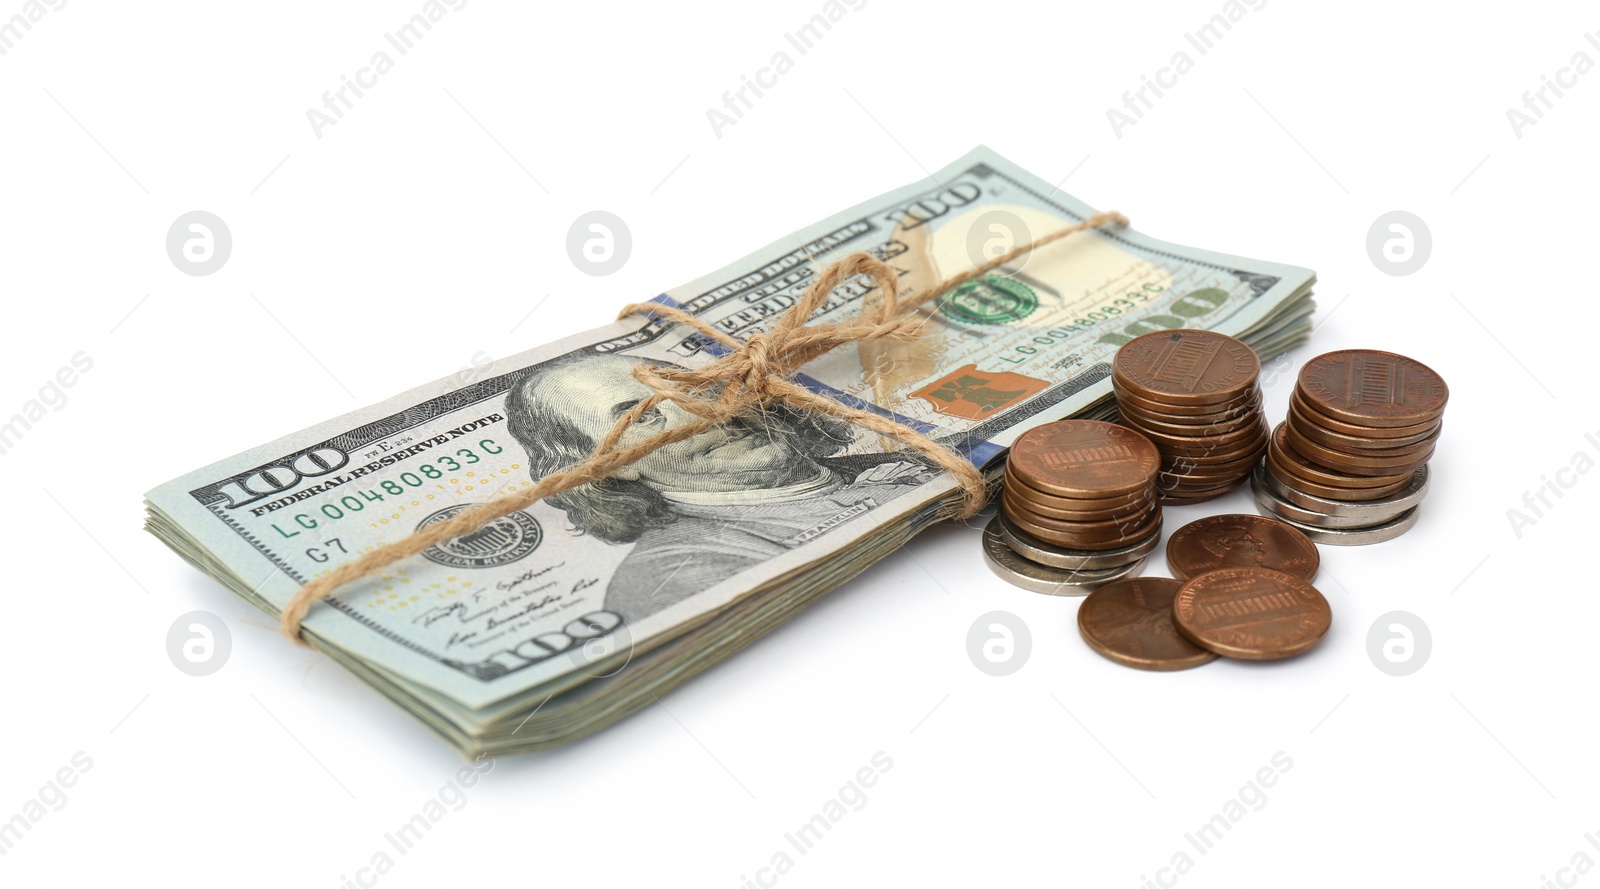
[989,300]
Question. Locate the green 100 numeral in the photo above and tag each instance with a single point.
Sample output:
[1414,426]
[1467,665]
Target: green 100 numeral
[1190,305]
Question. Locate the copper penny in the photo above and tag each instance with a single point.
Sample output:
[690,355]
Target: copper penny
[1013,496]
[1203,441]
[1104,529]
[1390,461]
[1191,499]
[1349,495]
[1367,387]
[1189,487]
[1372,449]
[1382,476]
[1170,485]
[1186,367]
[1029,493]
[1130,622]
[1240,541]
[1217,464]
[1339,441]
[1237,443]
[1197,424]
[1296,463]
[1183,485]
[1148,422]
[1179,495]
[1217,460]
[1036,550]
[1190,491]
[1084,458]
[1197,477]
[1251,613]
[1177,412]
[1084,541]
[1311,415]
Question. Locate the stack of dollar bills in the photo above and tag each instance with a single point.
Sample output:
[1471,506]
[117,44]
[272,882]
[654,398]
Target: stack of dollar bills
[561,619]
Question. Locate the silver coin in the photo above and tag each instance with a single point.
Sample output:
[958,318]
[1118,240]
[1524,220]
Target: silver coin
[1034,577]
[1372,512]
[1271,504]
[1035,550]
[1356,536]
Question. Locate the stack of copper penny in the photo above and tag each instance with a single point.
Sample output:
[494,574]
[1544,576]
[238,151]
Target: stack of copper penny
[1079,508]
[1194,394]
[1349,465]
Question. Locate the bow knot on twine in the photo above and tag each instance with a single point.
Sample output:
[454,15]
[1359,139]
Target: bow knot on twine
[749,377]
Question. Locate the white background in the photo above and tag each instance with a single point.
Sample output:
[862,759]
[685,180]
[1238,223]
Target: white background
[420,229]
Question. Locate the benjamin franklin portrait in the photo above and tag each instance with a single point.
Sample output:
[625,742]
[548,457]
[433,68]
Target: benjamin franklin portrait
[698,511]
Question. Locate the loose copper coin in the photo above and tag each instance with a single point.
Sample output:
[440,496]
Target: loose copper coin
[1296,463]
[1033,495]
[1084,458]
[1310,414]
[1240,541]
[1130,622]
[1290,480]
[1012,496]
[1186,367]
[1371,388]
[1251,613]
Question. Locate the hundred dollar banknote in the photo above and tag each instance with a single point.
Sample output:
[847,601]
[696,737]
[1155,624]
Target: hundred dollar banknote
[559,619]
